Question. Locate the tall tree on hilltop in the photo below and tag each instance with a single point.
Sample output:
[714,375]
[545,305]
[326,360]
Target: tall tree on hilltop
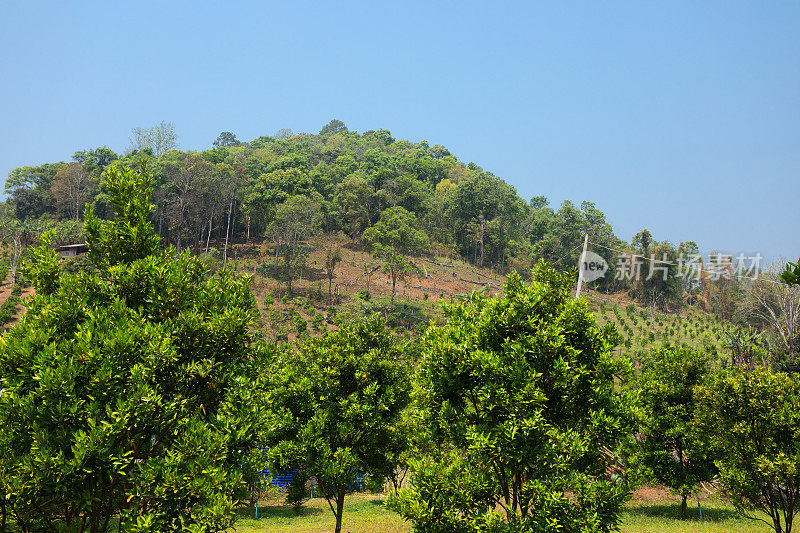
[70,189]
[158,139]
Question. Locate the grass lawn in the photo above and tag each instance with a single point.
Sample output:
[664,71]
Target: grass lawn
[362,513]
[664,517]
[365,513]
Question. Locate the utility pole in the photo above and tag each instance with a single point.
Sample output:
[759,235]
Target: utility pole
[580,266]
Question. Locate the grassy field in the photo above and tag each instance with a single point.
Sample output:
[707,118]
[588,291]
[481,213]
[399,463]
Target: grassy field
[664,517]
[365,513]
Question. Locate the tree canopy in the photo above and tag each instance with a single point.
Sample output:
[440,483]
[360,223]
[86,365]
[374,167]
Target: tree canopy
[497,390]
[125,392]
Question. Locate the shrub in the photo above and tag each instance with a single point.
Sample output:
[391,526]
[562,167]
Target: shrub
[363,295]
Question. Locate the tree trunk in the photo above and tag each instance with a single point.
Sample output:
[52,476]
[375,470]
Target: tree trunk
[227,233]
[339,509]
[483,230]
[208,238]
[180,224]
[683,506]
[394,283]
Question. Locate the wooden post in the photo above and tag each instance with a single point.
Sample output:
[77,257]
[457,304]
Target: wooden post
[580,266]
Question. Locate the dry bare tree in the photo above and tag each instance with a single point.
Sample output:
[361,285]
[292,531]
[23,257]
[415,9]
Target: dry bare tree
[70,189]
[159,139]
[771,303]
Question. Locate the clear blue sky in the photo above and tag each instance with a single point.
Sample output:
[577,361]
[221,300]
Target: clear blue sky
[681,117]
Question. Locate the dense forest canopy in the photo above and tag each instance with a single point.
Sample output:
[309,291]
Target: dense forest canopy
[287,188]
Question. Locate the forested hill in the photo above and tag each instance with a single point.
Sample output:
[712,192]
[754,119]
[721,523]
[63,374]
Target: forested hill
[287,188]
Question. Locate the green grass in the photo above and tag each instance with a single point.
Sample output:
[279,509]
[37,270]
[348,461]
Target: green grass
[362,513]
[664,517]
[366,513]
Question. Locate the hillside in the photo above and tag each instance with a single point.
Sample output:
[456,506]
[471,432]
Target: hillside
[279,205]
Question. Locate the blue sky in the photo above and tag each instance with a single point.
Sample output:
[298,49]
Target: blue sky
[679,117]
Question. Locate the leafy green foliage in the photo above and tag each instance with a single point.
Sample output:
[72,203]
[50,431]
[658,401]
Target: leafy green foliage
[128,394]
[498,390]
[753,420]
[672,448]
[334,405]
[392,238]
[792,273]
[130,235]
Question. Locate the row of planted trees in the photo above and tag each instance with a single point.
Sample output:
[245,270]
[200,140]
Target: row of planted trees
[734,427]
[138,398]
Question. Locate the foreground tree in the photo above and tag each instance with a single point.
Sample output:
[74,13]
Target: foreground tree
[126,393]
[753,419]
[672,448]
[334,405]
[517,396]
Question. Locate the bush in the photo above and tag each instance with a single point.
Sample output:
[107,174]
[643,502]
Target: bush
[301,326]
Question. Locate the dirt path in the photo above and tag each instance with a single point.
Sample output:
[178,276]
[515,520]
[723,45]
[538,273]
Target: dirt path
[5,291]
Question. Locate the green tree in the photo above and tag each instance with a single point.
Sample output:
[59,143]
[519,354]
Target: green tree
[334,126]
[95,160]
[353,198]
[792,273]
[476,202]
[517,394]
[127,394]
[29,188]
[333,256]
[672,447]
[334,405]
[226,138]
[393,238]
[753,420]
[297,219]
